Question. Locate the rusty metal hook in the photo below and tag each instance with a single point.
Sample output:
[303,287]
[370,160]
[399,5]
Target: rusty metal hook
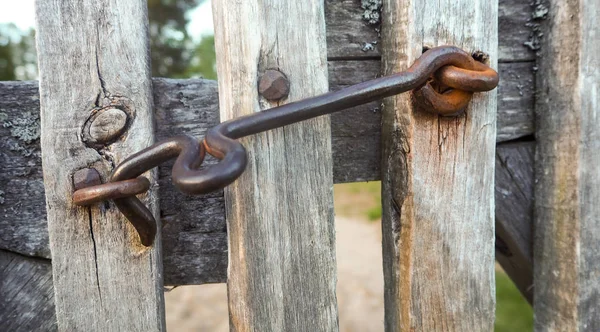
[448,65]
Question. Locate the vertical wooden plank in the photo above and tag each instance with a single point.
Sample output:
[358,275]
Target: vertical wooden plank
[93,55]
[438,178]
[280,212]
[567,190]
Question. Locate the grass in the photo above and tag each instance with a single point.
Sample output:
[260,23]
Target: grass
[513,313]
[363,201]
[360,200]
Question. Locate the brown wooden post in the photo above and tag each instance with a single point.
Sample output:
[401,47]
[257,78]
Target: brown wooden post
[96,109]
[281,273]
[438,178]
[567,191]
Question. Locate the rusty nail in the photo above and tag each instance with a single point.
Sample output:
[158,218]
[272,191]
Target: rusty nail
[273,85]
[86,177]
[108,125]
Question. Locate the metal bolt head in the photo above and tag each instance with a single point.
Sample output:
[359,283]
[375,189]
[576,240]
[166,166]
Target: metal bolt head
[273,85]
[86,177]
[108,124]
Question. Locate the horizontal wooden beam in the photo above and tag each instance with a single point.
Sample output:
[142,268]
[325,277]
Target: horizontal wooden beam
[194,232]
[34,306]
[350,35]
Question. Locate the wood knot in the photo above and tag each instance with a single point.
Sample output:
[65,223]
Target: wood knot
[105,126]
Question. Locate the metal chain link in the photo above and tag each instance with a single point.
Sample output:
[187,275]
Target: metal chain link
[443,81]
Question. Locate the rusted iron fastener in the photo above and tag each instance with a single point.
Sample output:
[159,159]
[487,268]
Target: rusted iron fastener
[452,87]
[443,79]
[273,85]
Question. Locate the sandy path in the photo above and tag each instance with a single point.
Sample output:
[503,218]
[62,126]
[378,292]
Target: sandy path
[359,290]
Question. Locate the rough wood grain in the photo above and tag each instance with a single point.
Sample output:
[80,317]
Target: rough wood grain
[516,30]
[203,259]
[26,293]
[350,36]
[190,106]
[567,191]
[438,179]
[93,54]
[514,213]
[282,270]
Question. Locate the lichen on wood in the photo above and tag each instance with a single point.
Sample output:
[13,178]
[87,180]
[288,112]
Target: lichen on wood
[539,13]
[372,11]
[26,130]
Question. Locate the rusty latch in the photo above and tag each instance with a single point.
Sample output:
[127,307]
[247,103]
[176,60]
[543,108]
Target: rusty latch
[443,81]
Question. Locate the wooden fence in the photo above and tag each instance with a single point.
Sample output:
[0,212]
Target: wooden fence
[438,222]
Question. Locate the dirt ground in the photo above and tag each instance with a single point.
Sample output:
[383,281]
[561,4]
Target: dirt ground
[359,290]
[360,277]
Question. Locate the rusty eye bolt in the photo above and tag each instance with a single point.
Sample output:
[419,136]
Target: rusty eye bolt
[443,81]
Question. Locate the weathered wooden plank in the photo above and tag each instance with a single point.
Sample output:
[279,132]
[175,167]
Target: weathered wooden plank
[515,117]
[27,293]
[93,56]
[282,271]
[516,30]
[22,201]
[514,205]
[351,36]
[438,178]
[514,213]
[516,95]
[190,106]
[567,190]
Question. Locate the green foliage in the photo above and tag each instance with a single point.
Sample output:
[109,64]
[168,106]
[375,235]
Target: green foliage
[374,213]
[169,40]
[17,53]
[360,200]
[513,313]
[203,60]
[7,64]
[173,52]
[373,189]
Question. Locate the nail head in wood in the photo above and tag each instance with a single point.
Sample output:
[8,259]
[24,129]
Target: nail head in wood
[86,177]
[273,85]
[108,125]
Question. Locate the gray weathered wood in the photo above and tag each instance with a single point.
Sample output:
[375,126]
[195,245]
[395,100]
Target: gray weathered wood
[348,33]
[190,106]
[438,178]
[514,213]
[282,270]
[26,293]
[204,255]
[567,191]
[516,30]
[93,54]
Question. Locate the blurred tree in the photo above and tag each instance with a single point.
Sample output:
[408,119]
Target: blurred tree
[169,40]
[25,55]
[17,53]
[203,60]
[173,52]
[7,62]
